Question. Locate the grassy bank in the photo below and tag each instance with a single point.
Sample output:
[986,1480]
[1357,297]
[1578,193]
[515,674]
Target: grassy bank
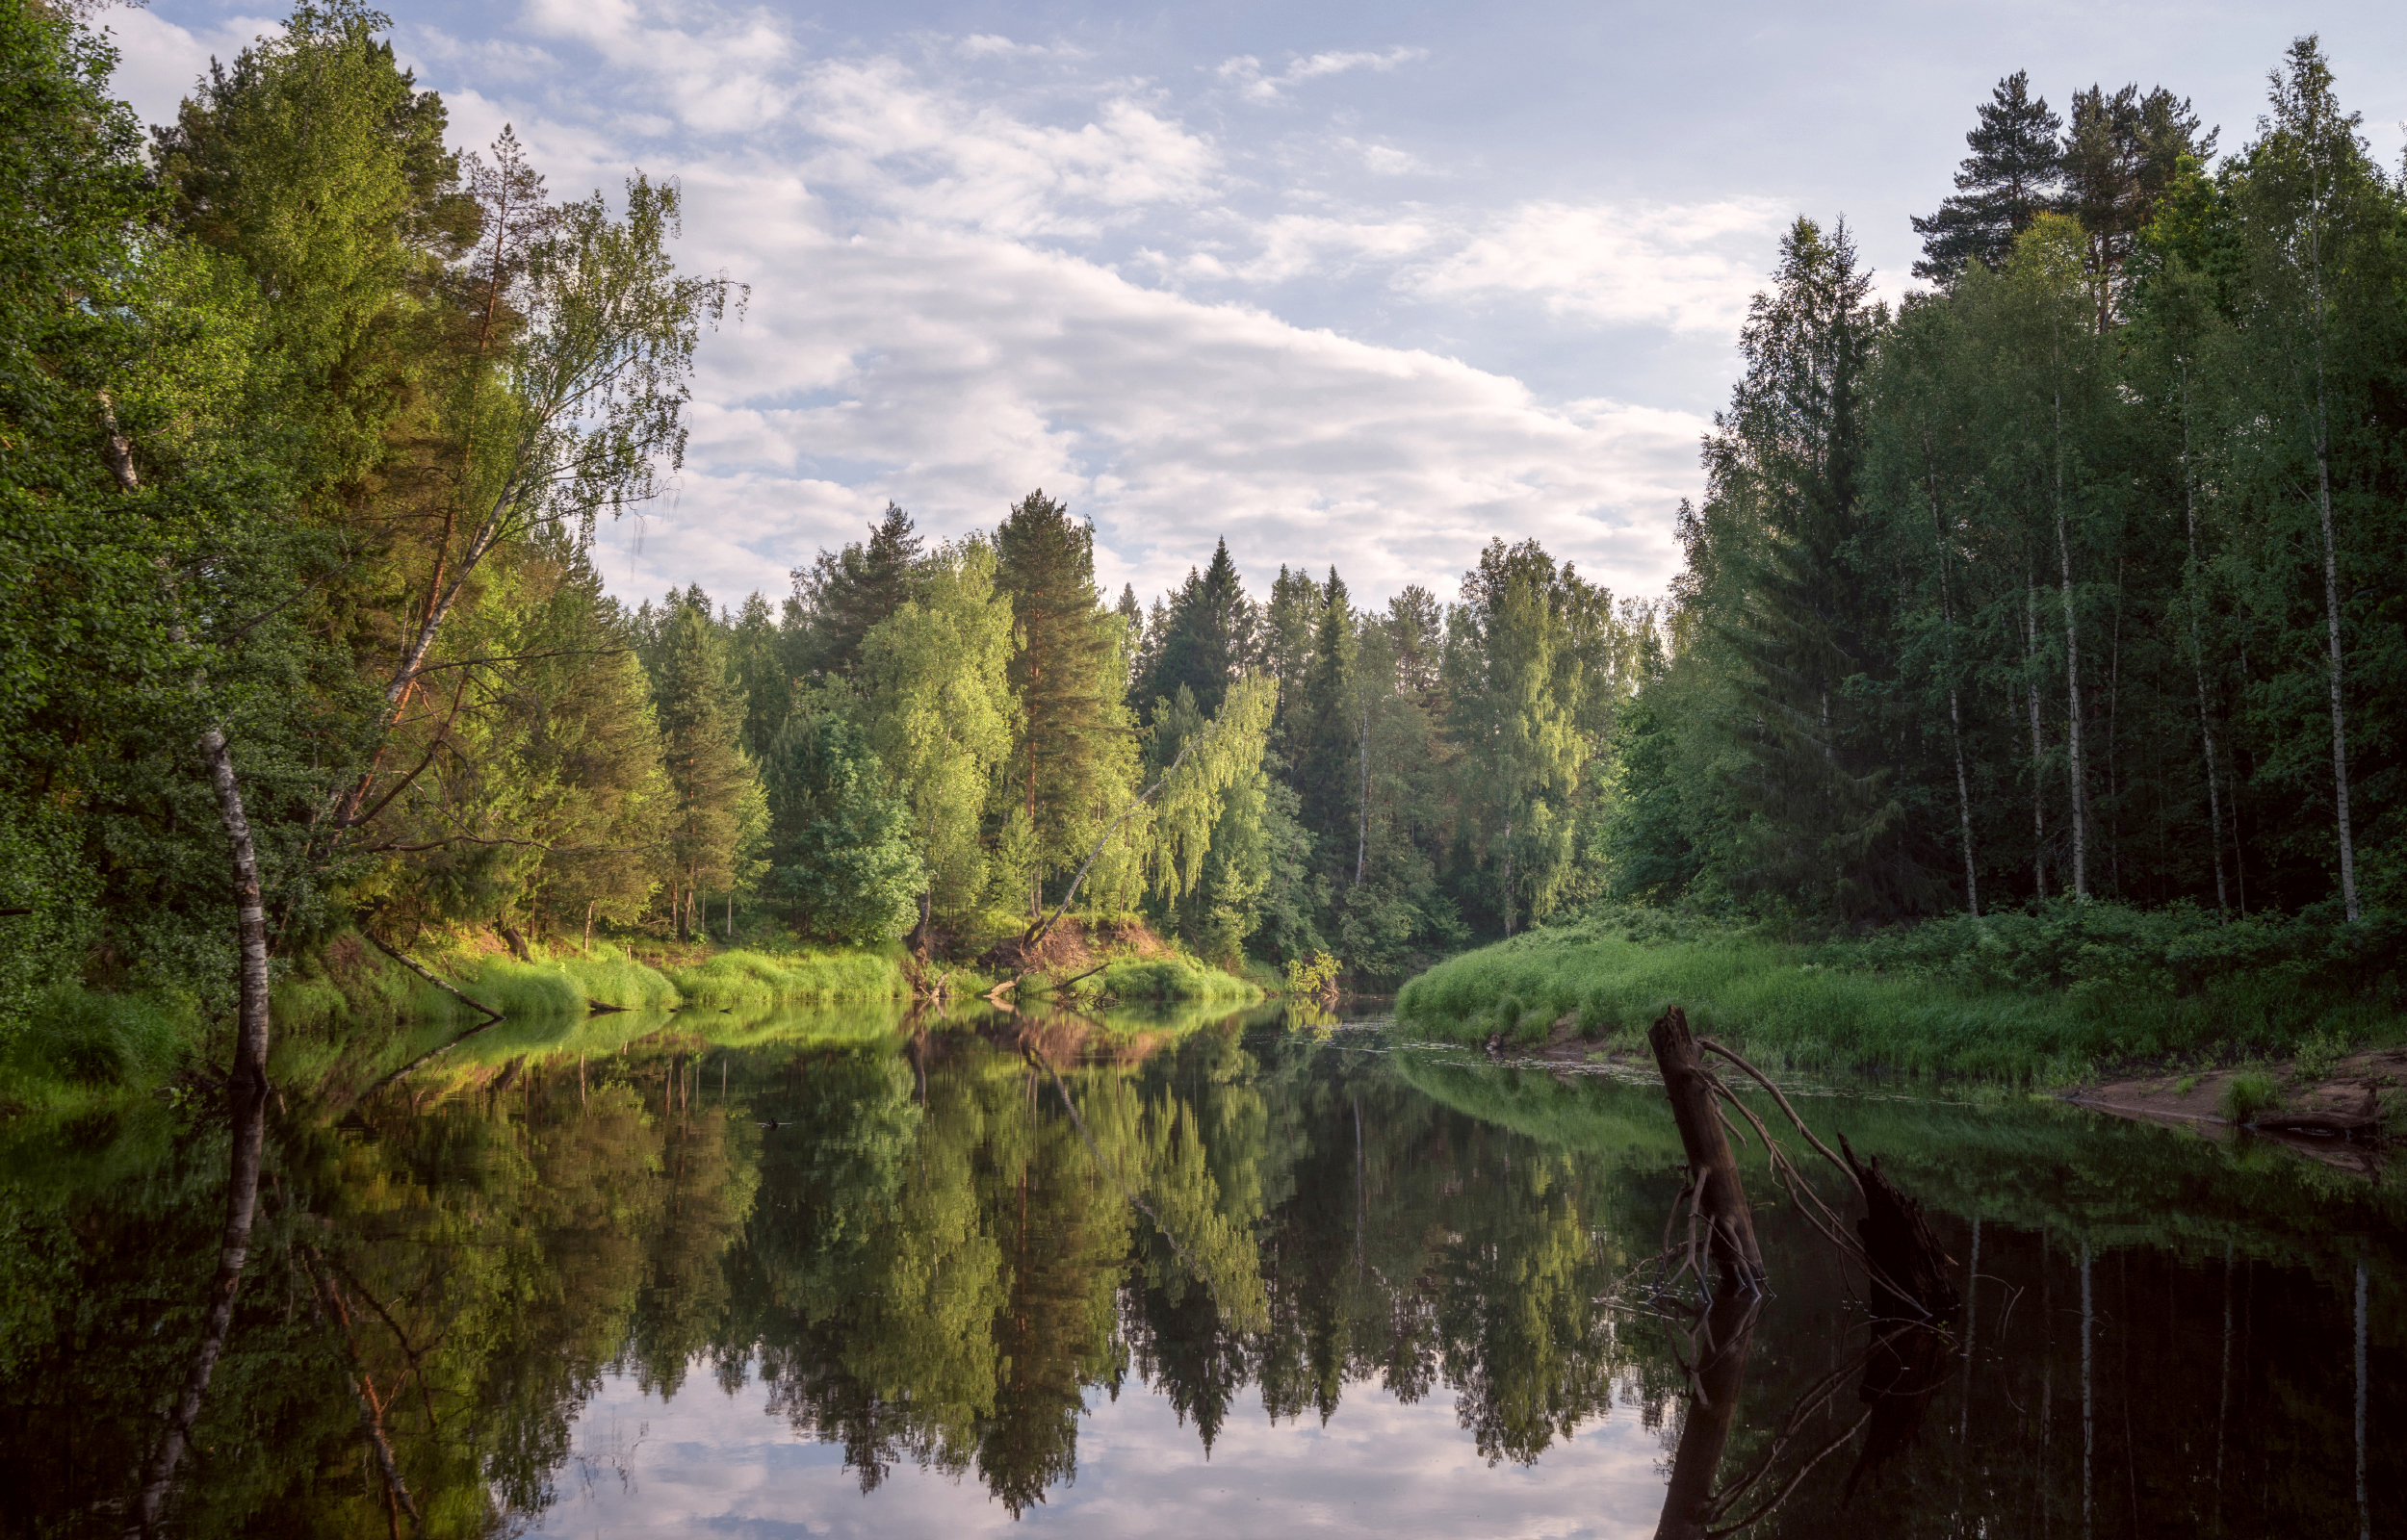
[2042,999]
[345,1013]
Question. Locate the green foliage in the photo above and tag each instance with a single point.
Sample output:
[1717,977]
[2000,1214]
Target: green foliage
[77,1035]
[842,865]
[937,705]
[1311,978]
[2249,1095]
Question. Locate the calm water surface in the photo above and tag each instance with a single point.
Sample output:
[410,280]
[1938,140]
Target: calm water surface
[801,1276]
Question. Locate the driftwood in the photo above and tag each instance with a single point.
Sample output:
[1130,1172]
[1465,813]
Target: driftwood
[1716,1197]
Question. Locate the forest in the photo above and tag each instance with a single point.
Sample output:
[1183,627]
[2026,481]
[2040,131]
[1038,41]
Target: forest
[2060,583]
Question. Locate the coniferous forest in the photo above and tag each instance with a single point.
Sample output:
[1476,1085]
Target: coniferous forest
[2072,579]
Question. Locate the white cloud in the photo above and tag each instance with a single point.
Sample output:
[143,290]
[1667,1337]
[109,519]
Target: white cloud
[906,146]
[1688,266]
[994,46]
[1245,70]
[722,78]
[159,62]
[1296,243]
[954,371]
[1386,160]
[935,319]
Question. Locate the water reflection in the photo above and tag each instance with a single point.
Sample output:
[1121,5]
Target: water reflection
[959,1248]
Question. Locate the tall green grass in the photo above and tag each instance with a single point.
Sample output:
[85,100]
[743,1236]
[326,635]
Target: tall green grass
[1176,977]
[734,979]
[77,1043]
[1797,1006]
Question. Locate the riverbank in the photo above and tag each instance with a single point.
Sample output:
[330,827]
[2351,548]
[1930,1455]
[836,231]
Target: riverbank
[2049,1001]
[348,1014]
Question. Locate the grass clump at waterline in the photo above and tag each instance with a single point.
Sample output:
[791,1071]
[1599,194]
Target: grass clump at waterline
[77,1046]
[1176,978]
[741,978]
[2044,1000]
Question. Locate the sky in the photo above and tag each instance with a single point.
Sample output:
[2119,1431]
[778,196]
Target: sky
[1344,284]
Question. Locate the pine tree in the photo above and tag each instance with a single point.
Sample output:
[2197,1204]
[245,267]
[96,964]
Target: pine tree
[756,662]
[2121,153]
[2010,179]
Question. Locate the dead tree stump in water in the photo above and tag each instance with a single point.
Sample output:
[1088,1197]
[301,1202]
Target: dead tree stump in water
[1910,1270]
[1713,1172]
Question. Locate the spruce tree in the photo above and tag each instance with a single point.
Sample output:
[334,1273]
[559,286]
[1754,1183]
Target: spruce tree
[1075,754]
[1823,826]
[2010,179]
[1327,732]
[845,592]
[1208,638]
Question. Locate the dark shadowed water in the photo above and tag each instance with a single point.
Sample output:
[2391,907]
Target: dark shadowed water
[1203,1279]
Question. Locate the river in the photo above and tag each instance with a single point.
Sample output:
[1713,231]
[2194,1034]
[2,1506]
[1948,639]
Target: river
[832,1276]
